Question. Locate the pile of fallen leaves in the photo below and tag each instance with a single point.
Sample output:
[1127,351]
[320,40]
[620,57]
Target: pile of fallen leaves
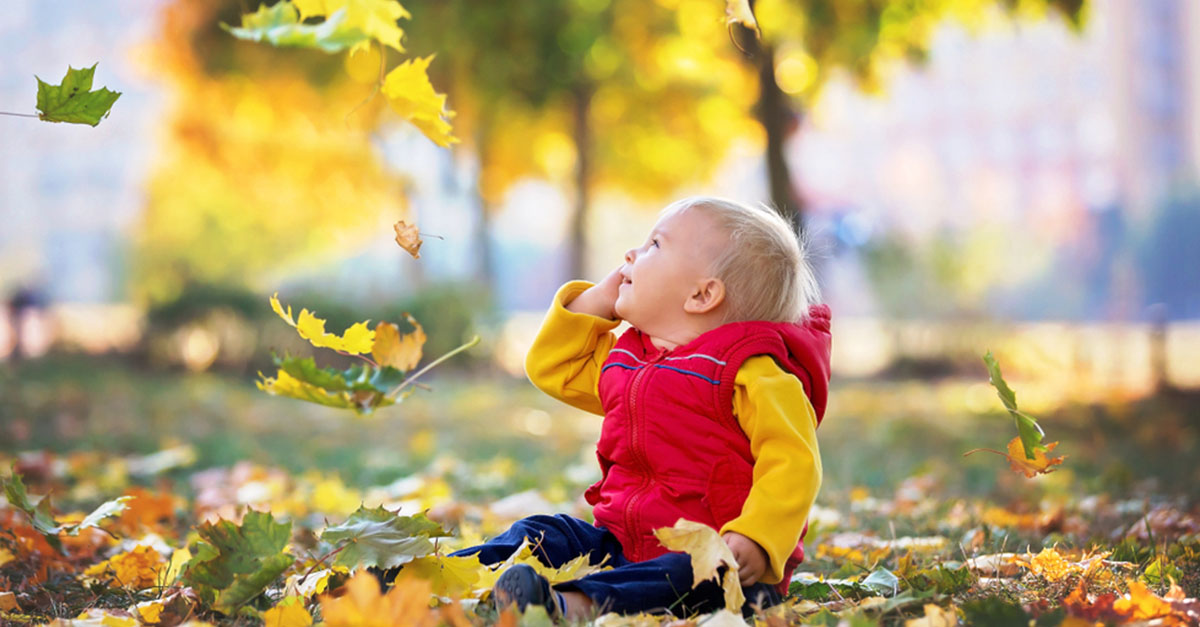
[251,544]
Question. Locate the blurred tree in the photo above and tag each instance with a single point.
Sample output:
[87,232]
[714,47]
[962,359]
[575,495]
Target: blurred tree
[261,166]
[805,42]
[614,93]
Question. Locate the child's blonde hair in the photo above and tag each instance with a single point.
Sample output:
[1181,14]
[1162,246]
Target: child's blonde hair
[764,266]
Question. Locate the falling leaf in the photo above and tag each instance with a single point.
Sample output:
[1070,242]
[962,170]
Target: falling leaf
[357,339]
[376,19]
[362,605]
[412,96]
[408,236]
[289,612]
[739,12]
[402,352]
[1039,464]
[73,100]
[708,552]
[1027,427]
[281,25]
[378,537]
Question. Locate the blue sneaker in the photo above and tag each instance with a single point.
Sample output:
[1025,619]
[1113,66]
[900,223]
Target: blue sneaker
[522,586]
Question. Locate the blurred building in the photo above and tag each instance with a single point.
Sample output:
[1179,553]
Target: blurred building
[1035,147]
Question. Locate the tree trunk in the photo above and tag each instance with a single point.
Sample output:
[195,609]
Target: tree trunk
[485,270]
[577,236]
[777,118]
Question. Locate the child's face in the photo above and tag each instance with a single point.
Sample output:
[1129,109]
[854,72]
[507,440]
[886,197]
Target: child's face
[658,277]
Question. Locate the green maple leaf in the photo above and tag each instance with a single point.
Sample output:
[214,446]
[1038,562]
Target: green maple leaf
[280,25]
[378,537]
[1027,427]
[73,100]
[360,387]
[233,564]
[42,518]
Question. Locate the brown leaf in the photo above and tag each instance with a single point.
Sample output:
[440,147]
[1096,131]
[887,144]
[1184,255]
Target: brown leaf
[1040,464]
[401,352]
[408,236]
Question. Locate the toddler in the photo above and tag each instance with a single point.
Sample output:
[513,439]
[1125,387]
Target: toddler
[710,400]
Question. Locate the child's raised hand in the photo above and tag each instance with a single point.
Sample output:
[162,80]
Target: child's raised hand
[751,558]
[601,298]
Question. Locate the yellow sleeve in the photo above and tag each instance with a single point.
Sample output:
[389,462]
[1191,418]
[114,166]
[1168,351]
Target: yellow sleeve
[569,350]
[776,415]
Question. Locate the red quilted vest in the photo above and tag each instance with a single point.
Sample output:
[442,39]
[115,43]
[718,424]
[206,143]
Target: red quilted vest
[670,446]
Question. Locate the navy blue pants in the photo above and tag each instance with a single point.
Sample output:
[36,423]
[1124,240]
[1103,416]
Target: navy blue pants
[662,584]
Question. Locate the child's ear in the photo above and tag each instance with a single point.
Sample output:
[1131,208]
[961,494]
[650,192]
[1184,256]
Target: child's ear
[706,296]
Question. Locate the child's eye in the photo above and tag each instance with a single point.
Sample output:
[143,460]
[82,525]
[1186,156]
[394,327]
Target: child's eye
[654,242]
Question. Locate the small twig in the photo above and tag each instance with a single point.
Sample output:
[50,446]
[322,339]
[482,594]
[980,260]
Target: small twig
[20,115]
[412,378]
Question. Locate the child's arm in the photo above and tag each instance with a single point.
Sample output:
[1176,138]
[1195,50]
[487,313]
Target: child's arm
[776,415]
[574,341]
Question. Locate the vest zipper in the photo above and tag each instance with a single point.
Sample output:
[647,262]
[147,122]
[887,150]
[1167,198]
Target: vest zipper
[636,448]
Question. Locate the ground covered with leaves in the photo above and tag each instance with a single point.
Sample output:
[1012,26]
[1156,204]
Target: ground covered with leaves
[197,499]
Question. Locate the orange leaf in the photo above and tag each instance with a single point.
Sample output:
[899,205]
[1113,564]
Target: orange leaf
[401,352]
[1142,603]
[145,509]
[1040,464]
[408,236]
[407,603]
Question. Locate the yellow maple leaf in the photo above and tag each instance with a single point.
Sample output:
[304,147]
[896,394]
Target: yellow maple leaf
[708,552]
[401,352]
[358,339]
[1052,566]
[289,612]
[1040,464]
[317,8]
[407,603]
[137,569]
[412,96]
[739,12]
[375,18]
[449,576]
[408,236]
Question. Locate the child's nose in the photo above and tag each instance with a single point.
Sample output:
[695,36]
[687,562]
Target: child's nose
[630,255]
